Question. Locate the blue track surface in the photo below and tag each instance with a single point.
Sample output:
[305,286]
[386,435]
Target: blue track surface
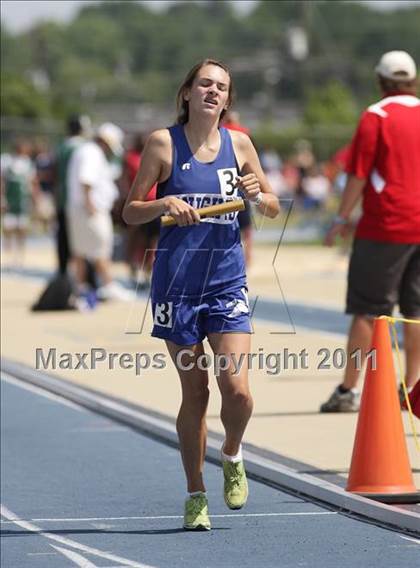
[90,487]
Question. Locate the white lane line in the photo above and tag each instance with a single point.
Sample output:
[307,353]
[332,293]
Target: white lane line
[416,540]
[150,518]
[41,554]
[41,392]
[5,512]
[78,559]
[96,429]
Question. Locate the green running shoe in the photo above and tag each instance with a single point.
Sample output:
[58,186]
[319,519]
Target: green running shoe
[196,517]
[236,485]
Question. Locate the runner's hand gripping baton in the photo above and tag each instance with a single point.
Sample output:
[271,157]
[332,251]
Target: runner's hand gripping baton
[227,207]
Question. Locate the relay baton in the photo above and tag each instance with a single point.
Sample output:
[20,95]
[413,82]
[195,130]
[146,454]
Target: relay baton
[211,211]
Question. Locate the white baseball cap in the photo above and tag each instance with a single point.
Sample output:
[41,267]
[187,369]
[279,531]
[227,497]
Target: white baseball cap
[397,65]
[112,135]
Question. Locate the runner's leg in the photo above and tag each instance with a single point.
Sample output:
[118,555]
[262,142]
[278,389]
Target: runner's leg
[237,402]
[191,421]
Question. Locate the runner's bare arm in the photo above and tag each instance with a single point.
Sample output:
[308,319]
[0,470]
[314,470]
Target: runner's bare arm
[253,181]
[155,167]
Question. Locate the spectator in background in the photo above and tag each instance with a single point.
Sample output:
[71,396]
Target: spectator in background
[43,160]
[291,176]
[272,166]
[141,239]
[231,121]
[304,160]
[383,169]
[336,173]
[316,188]
[336,168]
[77,128]
[5,161]
[19,188]
[91,195]
[270,160]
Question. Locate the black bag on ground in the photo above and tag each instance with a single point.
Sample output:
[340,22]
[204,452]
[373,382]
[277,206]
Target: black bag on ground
[58,295]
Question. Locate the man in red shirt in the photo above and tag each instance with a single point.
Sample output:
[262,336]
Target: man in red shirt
[384,170]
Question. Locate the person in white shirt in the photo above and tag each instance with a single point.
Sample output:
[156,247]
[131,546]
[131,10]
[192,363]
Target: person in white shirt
[78,131]
[92,192]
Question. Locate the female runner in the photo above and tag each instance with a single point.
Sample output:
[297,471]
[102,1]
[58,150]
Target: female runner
[199,285]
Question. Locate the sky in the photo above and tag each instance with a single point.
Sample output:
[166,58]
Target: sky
[19,15]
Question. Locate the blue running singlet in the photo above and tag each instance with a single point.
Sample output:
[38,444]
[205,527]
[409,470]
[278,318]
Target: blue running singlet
[202,259]
[199,279]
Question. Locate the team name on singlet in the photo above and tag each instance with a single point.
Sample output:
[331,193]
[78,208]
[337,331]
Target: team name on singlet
[198,200]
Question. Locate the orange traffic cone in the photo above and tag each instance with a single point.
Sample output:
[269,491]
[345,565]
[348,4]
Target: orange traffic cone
[380,468]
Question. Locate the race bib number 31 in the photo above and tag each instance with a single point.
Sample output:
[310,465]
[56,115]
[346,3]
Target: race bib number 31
[227,180]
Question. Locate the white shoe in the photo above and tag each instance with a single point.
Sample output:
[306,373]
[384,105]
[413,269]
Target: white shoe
[342,402]
[114,291]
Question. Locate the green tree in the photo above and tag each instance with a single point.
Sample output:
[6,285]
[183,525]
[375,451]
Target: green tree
[47,45]
[97,38]
[15,52]
[123,51]
[330,105]
[20,98]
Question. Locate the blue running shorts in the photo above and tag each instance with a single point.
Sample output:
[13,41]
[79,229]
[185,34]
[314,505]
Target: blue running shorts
[187,321]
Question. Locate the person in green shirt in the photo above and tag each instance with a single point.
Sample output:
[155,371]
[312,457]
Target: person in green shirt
[19,189]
